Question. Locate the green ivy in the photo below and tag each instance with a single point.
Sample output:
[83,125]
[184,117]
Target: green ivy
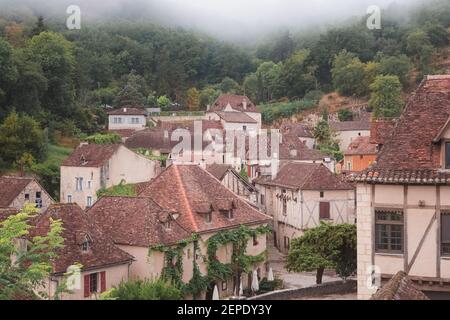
[217,271]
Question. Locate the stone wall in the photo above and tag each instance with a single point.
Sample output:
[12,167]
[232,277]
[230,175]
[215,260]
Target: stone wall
[335,287]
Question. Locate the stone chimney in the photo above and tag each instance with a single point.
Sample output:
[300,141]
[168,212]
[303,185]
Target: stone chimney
[124,110]
[244,104]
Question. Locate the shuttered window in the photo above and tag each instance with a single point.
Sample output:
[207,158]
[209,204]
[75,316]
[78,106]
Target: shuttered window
[447,155]
[324,211]
[445,233]
[389,231]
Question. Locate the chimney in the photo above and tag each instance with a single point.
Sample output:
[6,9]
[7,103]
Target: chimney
[125,110]
[244,104]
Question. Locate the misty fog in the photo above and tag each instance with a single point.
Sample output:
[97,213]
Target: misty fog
[227,19]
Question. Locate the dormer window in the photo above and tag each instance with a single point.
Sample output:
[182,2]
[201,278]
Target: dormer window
[227,213]
[447,155]
[86,245]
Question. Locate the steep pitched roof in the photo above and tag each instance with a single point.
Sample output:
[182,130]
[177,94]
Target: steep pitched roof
[410,155]
[301,130]
[125,111]
[360,123]
[361,146]
[91,155]
[400,287]
[381,130]
[11,187]
[218,170]
[192,192]
[136,221]
[159,138]
[77,226]
[305,176]
[235,101]
[236,117]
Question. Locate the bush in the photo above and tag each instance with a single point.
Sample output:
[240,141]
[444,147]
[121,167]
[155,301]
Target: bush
[267,286]
[274,111]
[108,138]
[144,290]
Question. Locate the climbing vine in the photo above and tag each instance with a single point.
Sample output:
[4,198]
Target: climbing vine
[217,271]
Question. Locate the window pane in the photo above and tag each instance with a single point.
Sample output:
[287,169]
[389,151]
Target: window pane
[445,227]
[447,155]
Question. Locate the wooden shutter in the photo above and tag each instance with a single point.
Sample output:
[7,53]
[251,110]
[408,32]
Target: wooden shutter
[445,227]
[87,290]
[324,210]
[103,281]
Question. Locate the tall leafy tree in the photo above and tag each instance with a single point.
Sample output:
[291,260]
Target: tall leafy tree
[386,97]
[297,75]
[8,71]
[24,272]
[192,98]
[348,74]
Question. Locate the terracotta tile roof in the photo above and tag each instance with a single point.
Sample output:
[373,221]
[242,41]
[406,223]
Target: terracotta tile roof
[361,146]
[11,187]
[291,148]
[361,123]
[77,225]
[236,117]
[190,191]
[235,101]
[136,221]
[91,155]
[400,287]
[218,170]
[301,130]
[126,111]
[410,155]
[159,138]
[305,176]
[381,130]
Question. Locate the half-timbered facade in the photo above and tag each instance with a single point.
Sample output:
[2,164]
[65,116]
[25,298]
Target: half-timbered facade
[403,201]
[302,195]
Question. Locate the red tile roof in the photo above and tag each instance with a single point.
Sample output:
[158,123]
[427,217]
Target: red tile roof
[77,225]
[360,123]
[361,146]
[190,191]
[400,287]
[381,130]
[235,101]
[125,111]
[305,176]
[410,155]
[135,221]
[11,187]
[236,117]
[91,155]
[301,130]
[218,170]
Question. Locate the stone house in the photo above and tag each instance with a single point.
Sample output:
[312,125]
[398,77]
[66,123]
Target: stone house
[359,155]
[126,119]
[92,167]
[104,265]
[347,131]
[300,196]
[235,112]
[183,200]
[403,201]
[15,192]
[303,131]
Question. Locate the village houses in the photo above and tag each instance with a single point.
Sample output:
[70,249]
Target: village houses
[300,196]
[127,119]
[182,201]
[347,131]
[303,131]
[92,167]
[359,155]
[89,255]
[16,192]
[403,200]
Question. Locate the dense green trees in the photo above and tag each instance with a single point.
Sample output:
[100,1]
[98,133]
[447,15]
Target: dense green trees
[386,98]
